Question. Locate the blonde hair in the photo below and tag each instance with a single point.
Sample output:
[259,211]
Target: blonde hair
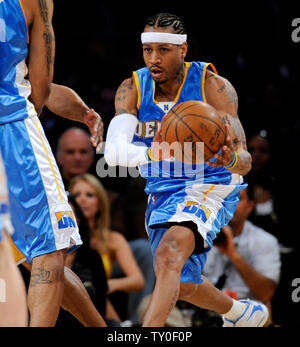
[102,218]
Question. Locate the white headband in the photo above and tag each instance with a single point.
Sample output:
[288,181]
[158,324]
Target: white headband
[175,39]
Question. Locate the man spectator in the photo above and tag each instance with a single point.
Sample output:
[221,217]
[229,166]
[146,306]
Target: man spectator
[74,154]
[245,260]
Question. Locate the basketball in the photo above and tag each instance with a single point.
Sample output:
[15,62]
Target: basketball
[197,124]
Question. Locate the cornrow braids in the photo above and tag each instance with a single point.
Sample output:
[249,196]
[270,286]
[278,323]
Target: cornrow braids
[167,20]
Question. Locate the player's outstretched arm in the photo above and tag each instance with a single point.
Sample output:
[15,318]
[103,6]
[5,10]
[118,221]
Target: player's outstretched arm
[118,147]
[222,96]
[41,51]
[65,102]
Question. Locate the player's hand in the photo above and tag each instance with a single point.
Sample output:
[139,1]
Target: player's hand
[159,150]
[227,154]
[94,122]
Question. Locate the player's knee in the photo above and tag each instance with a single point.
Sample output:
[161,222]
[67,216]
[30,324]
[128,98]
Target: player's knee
[50,265]
[169,256]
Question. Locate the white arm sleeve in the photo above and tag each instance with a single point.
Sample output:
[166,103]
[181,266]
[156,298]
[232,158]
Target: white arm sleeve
[118,147]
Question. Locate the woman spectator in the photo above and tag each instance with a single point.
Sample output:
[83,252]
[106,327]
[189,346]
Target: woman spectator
[111,245]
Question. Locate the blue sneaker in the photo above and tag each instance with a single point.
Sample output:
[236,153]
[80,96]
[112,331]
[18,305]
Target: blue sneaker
[255,315]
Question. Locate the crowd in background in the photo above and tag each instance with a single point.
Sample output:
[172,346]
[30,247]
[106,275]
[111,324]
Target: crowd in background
[98,46]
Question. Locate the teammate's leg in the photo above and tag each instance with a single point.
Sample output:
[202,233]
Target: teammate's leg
[77,301]
[46,288]
[174,249]
[13,306]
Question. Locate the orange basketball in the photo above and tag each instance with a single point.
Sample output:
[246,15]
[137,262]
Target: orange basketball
[197,127]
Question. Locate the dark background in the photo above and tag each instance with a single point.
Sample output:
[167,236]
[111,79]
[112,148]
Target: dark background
[98,46]
[249,42]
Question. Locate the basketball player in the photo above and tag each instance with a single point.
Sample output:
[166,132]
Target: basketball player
[44,224]
[185,212]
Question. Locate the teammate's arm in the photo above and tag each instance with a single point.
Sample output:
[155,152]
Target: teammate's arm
[66,103]
[118,148]
[222,96]
[41,52]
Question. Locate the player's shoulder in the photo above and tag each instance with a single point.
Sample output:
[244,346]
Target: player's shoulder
[126,98]
[213,80]
[128,84]
[220,93]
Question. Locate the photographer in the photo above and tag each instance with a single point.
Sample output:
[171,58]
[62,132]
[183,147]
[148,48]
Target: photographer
[245,260]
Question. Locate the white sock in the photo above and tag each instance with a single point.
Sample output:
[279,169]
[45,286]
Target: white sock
[236,310]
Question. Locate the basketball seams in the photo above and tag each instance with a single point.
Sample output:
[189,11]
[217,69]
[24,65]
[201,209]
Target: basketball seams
[204,117]
[177,107]
[176,114]
[170,122]
[191,130]
[204,121]
[180,120]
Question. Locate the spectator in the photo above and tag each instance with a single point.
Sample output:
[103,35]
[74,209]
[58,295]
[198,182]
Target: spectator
[272,212]
[75,156]
[119,257]
[262,178]
[245,263]
[88,266]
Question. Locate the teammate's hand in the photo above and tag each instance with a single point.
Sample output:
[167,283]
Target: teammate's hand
[94,122]
[227,154]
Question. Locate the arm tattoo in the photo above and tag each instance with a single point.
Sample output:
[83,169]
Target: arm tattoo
[221,89]
[226,119]
[122,91]
[121,96]
[231,94]
[120,111]
[224,85]
[238,136]
[47,33]
[227,105]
